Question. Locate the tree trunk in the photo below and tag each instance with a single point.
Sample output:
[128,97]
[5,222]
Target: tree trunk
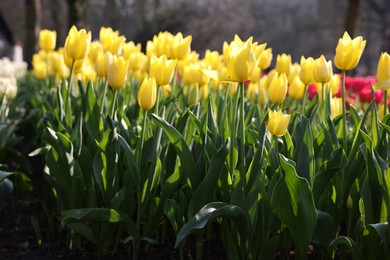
[33,26]
[352,16]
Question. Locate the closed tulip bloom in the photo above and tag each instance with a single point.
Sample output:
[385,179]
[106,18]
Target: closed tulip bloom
[265,59]
[94,49]
[278,89]
[335,84]
[277,122]
[348,52]
[115,45]
[47,40]
[297,88]
[204,92]
[130,48]
[262,98]
[241,60]
[77,43]
[322,71]
[40,70]
[162,69]
[306,72]
[336,105]
[181,47]
[147,94]
[166,90]
[117,73]
[213,58]
[383,70]
[283,64]
[102,63]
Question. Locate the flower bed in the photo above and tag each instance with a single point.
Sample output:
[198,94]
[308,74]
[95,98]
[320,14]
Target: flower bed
[164,149]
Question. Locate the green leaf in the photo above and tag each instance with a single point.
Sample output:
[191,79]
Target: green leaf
[183,151]
[351,245]
[292,202]
[210,212]
[304,151]
[102,215]
[383,231]
[325,231]
[204,193]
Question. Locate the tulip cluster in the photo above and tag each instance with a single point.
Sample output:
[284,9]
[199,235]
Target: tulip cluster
[10,73]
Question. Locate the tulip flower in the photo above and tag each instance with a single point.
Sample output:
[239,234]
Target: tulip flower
[192,75]
[297,88]
[181,46]
[322,70]
[277,122]
[94,49]
[265,59]
[336,107]
[130,48]
[77,43]
[117,73]
[306,72]
[193,94]
[348,52]
[47,40]
[278,89]
[102,63]
[162,69]
[147,94]
[383,72]
[213,58]
[166,90]
[283,64]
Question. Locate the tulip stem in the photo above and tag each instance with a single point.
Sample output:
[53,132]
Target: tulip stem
[242,137]
[304,99]
[157,100]
[104,96]
[142,138]
[69,92]
[344,121]
[385,103]
[233,137]
[114,103]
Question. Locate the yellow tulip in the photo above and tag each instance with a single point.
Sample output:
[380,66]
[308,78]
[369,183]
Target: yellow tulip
[102,63]
[130,48]
[278,89]
[348,52]
[283,64]
[78,64]
[204,92]
[147,94]
[181,47]
[47,40]
[252,91]
[297,88]
[40,70]
[262,98]
[322,70]
[265,59]
[137,61]
[294,72]
[383,72]
[306,72]
[256,75]
[270,76]
[162,69]
[335,82]
[277,122]
[166,91]
[117,73]
[336,105]
[213,58]
[192,75]
[258,50]
[241,60]
[94,49]
[77,43]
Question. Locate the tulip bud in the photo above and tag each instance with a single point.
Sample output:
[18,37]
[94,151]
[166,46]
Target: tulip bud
[348,52]
[265,59]
[278,89]
[77,43]
[277,122]
[147,94]
[193,94]
[117,73]
[322,70]
[306,72]
[297,88]
[283,64]
[383,71]
[47,40]
[162,69]
[336,106]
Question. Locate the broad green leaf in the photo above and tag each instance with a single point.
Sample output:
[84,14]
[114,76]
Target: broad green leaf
[325,231]
[183,151]
[210,212]
[292,202]
[350,244]
[383,231]
[204,193]
[304,151]
[104,215]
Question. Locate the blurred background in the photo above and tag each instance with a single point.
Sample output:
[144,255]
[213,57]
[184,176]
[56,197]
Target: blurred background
[296,27]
